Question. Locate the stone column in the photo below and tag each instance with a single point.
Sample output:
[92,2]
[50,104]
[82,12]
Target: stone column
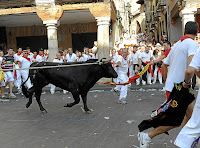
[103,36]
[52,38]
[187,15]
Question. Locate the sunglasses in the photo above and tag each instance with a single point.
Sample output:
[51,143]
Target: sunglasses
[25,53]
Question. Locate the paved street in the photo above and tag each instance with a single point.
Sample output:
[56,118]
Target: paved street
[111,125]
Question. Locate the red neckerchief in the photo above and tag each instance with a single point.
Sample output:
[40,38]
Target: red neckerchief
[27,58]
[125,58]
[34,57]
[120,54]
[19,54]
[134,52]
[185,37]
[40,55]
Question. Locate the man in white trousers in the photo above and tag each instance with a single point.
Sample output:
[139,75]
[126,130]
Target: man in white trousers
[134,60]
[122,65]
[58,59]
[25,62]
[17,73]
[191,131]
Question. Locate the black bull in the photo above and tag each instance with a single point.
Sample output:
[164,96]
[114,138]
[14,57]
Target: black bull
[77,79]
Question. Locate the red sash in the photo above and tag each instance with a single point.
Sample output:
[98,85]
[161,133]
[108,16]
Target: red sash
[150,69]
[27,58]
[159,70]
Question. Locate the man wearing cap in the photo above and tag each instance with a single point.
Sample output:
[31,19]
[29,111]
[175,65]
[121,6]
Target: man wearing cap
[39,57]
[17,74]
[25,62]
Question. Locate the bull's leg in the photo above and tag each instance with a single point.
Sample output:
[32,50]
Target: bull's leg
[31,91]
[84,98]
[37,95]
[76,100]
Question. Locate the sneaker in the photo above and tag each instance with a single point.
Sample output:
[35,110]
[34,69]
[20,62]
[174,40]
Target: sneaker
[52,92]
[150,83]
[137,83]
[116,91]
[143,142]
[44,93]
[4,97]
[124,102]
[119,101]
[154,83]
[19,91]
[143,83]
[12,96]
[65,91]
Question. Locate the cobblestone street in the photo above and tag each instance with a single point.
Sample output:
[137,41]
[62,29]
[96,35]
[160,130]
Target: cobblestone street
[111,125]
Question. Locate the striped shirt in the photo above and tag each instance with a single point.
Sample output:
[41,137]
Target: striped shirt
[9,61]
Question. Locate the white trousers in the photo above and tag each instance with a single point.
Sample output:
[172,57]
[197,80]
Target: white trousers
[53,87]
[18,81]
[122,78]
[24,74]
[157,73]
[191,131]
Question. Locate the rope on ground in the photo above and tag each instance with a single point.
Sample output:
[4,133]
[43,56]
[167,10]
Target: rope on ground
[132,79]
[47,67]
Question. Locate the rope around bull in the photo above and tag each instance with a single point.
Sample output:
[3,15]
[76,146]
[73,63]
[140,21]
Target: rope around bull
[47,67]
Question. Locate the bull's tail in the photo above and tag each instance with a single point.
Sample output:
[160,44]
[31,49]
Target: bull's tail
[24,89]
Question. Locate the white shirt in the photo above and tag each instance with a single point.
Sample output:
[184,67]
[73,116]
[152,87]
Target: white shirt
[178,61]
[134,57]
[25,63]
[81,59]
[31,57]
[45,57]
[71,58]
[85,57]
[16,56]
[39,58]
[56,60]
[145,57]
[91,56]
[123,68]
[94,49]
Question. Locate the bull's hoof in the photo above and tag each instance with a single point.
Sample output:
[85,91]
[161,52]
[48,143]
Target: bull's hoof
[87,111]
[68,105]
[43,111]
[28,105]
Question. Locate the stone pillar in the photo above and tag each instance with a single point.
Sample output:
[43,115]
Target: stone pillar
[103,36]
[52,38]
[187,15]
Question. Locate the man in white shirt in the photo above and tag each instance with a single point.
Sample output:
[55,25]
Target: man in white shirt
[40,56]
[25,62]
[86,54]
[95,49]
[91,54]
[17,73]
[30,55]
[135,55]
[190,133]
[58,59]
[71,57]
[144,59]
[178,60]
[122,64]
